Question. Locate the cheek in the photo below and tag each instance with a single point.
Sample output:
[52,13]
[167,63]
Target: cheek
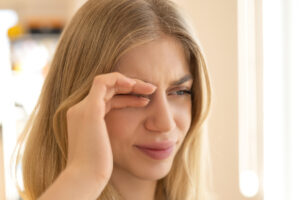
[183,117]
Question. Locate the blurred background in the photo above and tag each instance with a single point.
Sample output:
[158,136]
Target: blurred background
[252,136]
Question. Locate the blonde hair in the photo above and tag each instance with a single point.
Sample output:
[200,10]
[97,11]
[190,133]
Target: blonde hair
[92,43]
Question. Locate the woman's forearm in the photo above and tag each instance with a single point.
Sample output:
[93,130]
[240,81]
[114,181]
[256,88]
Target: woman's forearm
[71,185]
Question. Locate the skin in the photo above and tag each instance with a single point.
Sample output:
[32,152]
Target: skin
[104,127]
[166,117]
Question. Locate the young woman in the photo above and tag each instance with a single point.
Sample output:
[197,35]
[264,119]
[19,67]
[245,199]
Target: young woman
[121,108]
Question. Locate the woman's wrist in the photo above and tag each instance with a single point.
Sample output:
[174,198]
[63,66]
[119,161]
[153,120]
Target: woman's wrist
[86,177]
[73,184]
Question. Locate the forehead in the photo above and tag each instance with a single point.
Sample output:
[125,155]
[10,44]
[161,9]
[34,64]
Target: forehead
[162,59]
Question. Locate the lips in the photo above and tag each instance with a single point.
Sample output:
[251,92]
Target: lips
[157,151]
[157,146]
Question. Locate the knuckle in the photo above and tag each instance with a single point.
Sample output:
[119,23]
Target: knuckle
[116,74]
[100,82]
[98,79]
[116,89]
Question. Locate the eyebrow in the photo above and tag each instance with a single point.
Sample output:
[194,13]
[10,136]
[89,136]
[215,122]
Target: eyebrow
[182,80]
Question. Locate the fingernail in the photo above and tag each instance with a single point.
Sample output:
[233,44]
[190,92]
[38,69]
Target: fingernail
[154,86]
[146,100]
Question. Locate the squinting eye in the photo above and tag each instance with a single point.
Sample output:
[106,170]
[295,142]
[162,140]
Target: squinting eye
[183,92]
[140,95]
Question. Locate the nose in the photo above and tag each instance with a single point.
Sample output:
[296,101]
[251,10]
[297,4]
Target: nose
[159,117]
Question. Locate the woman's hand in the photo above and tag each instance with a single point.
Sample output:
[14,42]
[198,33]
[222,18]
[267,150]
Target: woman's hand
[89,149]
[90,160]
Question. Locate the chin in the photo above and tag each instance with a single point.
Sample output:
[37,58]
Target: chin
[154,173]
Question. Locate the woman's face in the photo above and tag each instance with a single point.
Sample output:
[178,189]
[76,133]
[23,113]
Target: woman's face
[165,119]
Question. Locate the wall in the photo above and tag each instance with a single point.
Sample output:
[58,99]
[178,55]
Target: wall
[2,187]
[216,26]
[30,9]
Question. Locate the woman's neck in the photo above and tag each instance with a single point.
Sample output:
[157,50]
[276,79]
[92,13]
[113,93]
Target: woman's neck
[132,187]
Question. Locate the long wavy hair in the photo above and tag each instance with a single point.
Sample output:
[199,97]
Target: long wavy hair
[91,44]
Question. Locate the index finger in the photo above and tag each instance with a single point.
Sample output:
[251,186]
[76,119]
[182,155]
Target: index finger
[107,85]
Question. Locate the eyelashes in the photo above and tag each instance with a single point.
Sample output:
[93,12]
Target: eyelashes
[176,93]
[184,92]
